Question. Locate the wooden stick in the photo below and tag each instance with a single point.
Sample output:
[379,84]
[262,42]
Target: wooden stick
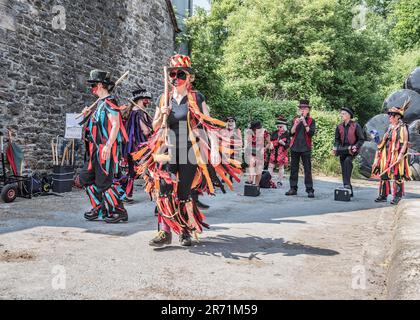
[56,154]
[64,156]
[9,133]
[53,154]
[396,162]
[164,127]
[94,104]
[72,152]
[140,107]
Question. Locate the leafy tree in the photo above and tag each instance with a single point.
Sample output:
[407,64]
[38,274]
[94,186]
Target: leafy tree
[397,70]
[406,17]
[206,34]
[292,49]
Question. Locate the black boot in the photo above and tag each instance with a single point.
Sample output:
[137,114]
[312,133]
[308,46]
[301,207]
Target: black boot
[95,213]
[185,239]
[396,200]
[381,198]
[117,216]
[291,192]
[311,194]
[398,185]
[161,239]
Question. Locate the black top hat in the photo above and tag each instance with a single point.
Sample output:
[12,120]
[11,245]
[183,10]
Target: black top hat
[349,110]
[99,76]
[304,104]
[256,124]
[281,120]
[141,93]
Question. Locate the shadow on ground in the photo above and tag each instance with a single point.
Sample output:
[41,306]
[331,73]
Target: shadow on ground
[232,247]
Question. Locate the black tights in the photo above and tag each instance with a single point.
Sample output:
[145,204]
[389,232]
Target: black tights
[186,173]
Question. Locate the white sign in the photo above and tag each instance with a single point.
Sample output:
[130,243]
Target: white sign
[73,129]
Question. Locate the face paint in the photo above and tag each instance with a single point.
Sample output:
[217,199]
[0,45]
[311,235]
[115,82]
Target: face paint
[94,90]
[178,82]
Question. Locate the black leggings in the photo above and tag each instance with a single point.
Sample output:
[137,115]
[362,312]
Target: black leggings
[186,173]
[130,162]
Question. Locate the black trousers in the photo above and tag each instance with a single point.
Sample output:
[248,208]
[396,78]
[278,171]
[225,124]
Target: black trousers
[130,162]
[294,170]
[186,173]
[96,176]
[346,162]
[100,189]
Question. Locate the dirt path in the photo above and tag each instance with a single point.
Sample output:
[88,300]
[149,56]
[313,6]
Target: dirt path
[271,247]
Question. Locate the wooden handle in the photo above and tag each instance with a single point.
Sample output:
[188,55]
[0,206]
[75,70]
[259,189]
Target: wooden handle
[391,166]
[165,116]
[53,153]
[64,156]
[93,104]
[72,152]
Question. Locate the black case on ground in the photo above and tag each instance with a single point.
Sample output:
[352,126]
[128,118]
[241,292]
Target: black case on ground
[251,190]
[342,194]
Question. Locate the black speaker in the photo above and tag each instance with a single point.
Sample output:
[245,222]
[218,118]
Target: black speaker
[251,190]
[342,194]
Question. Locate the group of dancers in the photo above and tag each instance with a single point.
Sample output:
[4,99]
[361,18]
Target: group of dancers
[182,152]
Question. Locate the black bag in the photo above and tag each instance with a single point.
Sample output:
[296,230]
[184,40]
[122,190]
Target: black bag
[342,194]
[251,190]
[265,180]
[32,185]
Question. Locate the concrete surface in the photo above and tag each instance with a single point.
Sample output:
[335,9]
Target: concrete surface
[404,271]
[270,247]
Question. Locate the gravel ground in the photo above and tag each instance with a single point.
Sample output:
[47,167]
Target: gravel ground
[270,247]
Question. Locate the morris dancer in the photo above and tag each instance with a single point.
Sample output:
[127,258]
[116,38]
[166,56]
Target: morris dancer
[103,135]
[280,140]
[197,135]
[139,128]
[391,161]
[349,138]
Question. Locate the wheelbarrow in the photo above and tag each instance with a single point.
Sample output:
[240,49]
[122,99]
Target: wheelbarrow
[11,185]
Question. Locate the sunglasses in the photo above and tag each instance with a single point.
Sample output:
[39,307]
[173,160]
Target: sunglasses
[93,85]
[180,74]
[230,121]
[392,114]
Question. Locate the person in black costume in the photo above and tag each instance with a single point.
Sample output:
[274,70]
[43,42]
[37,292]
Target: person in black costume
[349,138]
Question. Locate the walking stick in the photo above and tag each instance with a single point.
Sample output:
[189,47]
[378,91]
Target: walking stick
[165,157]
[90,109]
[396,162]
[140,107]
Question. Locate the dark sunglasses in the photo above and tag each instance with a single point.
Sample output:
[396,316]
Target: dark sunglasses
[93,85]
[392,114]
[180,74]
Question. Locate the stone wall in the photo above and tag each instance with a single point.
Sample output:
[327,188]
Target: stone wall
[47,49]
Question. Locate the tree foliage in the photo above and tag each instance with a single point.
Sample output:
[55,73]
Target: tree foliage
[257,58]
[406,20]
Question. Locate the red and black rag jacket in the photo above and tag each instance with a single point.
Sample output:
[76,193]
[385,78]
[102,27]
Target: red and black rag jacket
[97,133]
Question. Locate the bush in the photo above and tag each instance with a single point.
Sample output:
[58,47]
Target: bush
[263,109]
[326,122]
